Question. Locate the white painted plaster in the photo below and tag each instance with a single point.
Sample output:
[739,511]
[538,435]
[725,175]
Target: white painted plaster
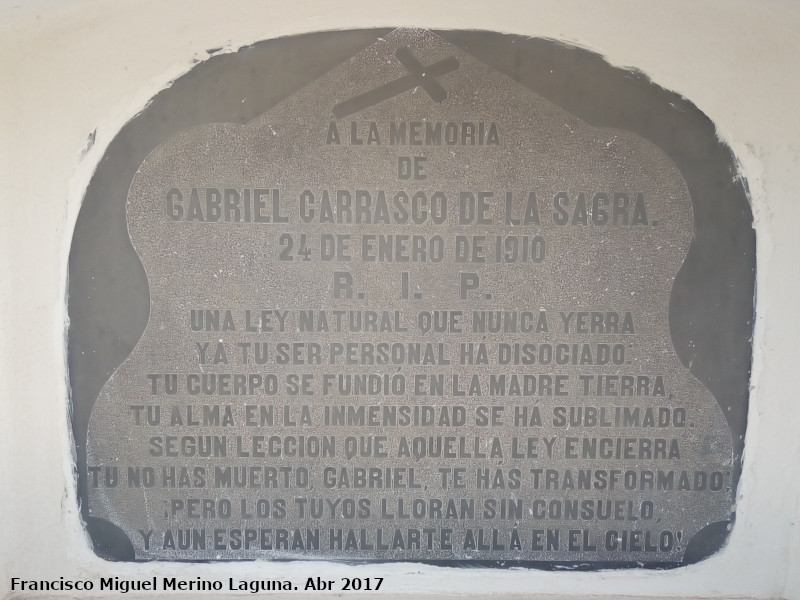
[70,68]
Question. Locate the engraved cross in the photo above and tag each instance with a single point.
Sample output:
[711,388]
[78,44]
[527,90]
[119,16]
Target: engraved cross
[419,76]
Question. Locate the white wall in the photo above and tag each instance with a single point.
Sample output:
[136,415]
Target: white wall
[68,69]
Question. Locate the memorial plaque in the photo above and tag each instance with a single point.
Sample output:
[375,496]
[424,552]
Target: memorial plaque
[405,295]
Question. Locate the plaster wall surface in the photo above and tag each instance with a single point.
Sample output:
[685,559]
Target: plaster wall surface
[71,74]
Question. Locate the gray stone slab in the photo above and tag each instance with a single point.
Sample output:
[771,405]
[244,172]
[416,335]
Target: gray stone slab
[414,298]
